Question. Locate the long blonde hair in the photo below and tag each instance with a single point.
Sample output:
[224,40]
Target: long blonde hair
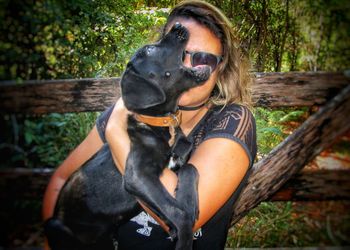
[233,84]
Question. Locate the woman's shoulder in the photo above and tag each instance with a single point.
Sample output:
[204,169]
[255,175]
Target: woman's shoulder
[230,107]
[233,121]
[235,113]
[101,122]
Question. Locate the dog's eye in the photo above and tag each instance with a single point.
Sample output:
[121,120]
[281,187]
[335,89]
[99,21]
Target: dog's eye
[167,74]
[149,50]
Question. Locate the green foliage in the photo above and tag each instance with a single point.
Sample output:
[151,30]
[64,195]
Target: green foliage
[271,126]
[71,39]
[269,224]
[326,36]
[342,148]
[284,35]
[46,140]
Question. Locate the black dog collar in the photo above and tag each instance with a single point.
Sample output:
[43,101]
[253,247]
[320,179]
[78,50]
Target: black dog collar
[186,108]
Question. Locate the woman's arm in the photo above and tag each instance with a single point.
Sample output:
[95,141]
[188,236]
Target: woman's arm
[221,164]
[117,136]
[91,144]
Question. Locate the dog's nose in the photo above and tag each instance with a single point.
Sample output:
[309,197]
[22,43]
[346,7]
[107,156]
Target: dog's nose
[181,32]
[177,25]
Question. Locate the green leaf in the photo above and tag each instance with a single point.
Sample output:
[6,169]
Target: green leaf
[292,116]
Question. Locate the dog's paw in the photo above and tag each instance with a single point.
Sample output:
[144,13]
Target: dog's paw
[172,234]
[59,236]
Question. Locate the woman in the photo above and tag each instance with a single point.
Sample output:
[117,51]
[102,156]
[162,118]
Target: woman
[214,116]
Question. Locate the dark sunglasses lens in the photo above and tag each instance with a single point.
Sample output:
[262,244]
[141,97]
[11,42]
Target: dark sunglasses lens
[201,58]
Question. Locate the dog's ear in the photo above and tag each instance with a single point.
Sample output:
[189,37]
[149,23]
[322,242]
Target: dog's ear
[139,93]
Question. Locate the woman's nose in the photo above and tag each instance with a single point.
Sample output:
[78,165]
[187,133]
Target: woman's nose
[186,59]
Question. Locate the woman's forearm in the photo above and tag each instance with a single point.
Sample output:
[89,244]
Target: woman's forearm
[119,144]
[50,196]
[117,135]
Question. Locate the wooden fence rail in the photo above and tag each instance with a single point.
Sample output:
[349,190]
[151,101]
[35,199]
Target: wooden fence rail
[307,185]
[291,89]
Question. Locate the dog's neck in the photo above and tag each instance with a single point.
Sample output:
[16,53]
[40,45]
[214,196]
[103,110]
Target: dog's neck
[171,120]
[168,120]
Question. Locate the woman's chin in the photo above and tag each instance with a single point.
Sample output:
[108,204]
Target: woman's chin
[184,100]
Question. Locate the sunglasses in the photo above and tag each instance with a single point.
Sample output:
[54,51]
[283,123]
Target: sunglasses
[203,58]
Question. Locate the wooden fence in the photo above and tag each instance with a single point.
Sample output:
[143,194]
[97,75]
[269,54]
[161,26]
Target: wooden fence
[276,177]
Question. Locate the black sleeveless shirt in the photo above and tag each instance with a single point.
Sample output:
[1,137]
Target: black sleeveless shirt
[234,122]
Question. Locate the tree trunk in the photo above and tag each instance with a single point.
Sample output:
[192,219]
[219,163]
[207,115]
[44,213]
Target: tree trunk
[284,37]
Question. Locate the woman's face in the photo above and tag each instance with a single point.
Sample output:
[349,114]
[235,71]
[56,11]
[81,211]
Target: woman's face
[201,39]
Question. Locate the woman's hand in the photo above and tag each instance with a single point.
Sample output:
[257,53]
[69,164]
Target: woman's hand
[117,135]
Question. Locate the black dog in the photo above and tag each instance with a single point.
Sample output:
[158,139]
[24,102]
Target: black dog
[96,199]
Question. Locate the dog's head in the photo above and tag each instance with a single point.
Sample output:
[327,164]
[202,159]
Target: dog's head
[155,77]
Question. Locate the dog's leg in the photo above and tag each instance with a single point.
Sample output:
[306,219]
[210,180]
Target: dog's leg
[187,195]
[147,158]
[187,190]
[150,191]
[61,237]
[180,151]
